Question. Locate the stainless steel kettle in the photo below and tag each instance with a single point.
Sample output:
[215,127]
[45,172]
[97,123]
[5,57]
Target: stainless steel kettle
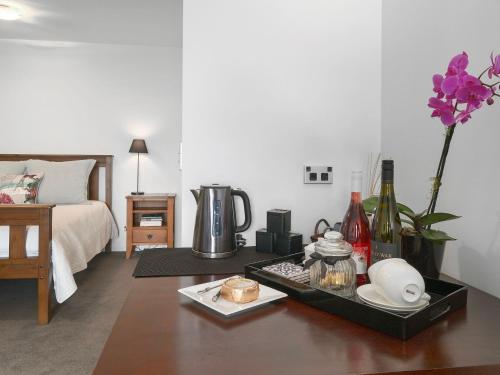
[215,230]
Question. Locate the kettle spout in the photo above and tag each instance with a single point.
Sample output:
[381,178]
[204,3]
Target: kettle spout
[196,194]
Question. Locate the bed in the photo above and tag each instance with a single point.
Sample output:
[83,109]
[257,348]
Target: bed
[52,242]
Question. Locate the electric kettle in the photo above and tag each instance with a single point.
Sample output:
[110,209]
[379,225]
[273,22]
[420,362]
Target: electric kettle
[215,230]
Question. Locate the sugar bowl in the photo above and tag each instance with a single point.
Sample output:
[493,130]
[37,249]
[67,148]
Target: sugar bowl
[331,265]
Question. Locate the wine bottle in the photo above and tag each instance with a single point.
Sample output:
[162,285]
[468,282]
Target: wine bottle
[356,229]
[386,226]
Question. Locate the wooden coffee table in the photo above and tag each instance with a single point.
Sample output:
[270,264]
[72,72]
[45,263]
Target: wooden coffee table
[160,331]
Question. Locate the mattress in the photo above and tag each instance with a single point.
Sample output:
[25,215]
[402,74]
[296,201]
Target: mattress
[79,232]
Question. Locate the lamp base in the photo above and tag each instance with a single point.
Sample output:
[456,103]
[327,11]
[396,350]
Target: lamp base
[137,193]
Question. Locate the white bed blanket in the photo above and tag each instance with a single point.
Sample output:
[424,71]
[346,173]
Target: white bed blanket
[79,232]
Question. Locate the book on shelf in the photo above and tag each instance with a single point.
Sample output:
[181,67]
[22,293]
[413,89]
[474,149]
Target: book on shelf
[151,224]
[152,217]
[151,220]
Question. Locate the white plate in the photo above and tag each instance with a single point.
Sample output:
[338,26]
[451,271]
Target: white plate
[227,308]
[392,308]
[369,295]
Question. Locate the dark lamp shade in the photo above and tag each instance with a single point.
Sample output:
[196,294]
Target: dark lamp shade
[138,146]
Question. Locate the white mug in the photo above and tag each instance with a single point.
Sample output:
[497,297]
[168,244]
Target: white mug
[400,283]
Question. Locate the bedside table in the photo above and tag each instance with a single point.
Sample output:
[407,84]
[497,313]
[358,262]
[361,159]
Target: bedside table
[160,205]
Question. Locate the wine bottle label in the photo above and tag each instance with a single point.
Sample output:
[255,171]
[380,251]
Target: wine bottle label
[381,251]
[360,256]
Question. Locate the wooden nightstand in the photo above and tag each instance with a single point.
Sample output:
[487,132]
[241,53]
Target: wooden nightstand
[156,204]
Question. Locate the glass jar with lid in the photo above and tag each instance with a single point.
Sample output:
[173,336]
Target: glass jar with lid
[332,267]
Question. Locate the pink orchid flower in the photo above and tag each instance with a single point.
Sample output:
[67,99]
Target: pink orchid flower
[472,92]
[464,116]
[437,80]
[450,84]
[458,93]
[458,64]
[443,110]
[494,70]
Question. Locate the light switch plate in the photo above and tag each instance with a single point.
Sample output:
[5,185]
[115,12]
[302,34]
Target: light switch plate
[318,174]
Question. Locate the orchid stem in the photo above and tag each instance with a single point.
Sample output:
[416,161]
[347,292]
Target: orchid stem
[484,71]
[440,170]
[490,86]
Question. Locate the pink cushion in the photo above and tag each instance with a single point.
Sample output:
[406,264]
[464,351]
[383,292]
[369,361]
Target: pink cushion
[19,189]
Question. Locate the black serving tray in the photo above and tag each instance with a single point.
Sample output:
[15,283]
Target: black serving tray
[445,298]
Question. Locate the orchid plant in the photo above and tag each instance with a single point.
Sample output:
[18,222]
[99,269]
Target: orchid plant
[457,95]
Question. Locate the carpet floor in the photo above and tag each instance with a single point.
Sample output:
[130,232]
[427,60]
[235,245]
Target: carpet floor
[72,342]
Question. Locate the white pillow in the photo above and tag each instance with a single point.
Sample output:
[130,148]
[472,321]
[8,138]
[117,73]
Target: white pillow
[12,167]
[64,182]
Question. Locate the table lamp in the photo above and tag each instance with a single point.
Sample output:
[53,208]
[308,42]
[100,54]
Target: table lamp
[138,146]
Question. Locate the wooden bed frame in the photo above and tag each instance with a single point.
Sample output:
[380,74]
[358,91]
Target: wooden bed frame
[18,216]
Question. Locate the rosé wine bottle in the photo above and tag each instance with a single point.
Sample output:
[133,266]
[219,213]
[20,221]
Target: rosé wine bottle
[356,229]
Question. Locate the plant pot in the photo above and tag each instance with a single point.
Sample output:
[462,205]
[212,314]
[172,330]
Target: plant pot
[426,256]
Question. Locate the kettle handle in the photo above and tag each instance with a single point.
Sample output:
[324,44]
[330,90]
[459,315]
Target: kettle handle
[246,207]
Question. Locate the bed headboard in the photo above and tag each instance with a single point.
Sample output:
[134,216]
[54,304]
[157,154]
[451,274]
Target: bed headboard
[102,161]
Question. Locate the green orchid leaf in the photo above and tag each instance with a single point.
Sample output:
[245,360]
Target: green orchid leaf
[408,222]
[370,204]
[405,210]
[436,217]
[436,235]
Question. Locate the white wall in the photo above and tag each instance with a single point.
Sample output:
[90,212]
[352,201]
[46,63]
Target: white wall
[418,39]
[93,99]
[271,85]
